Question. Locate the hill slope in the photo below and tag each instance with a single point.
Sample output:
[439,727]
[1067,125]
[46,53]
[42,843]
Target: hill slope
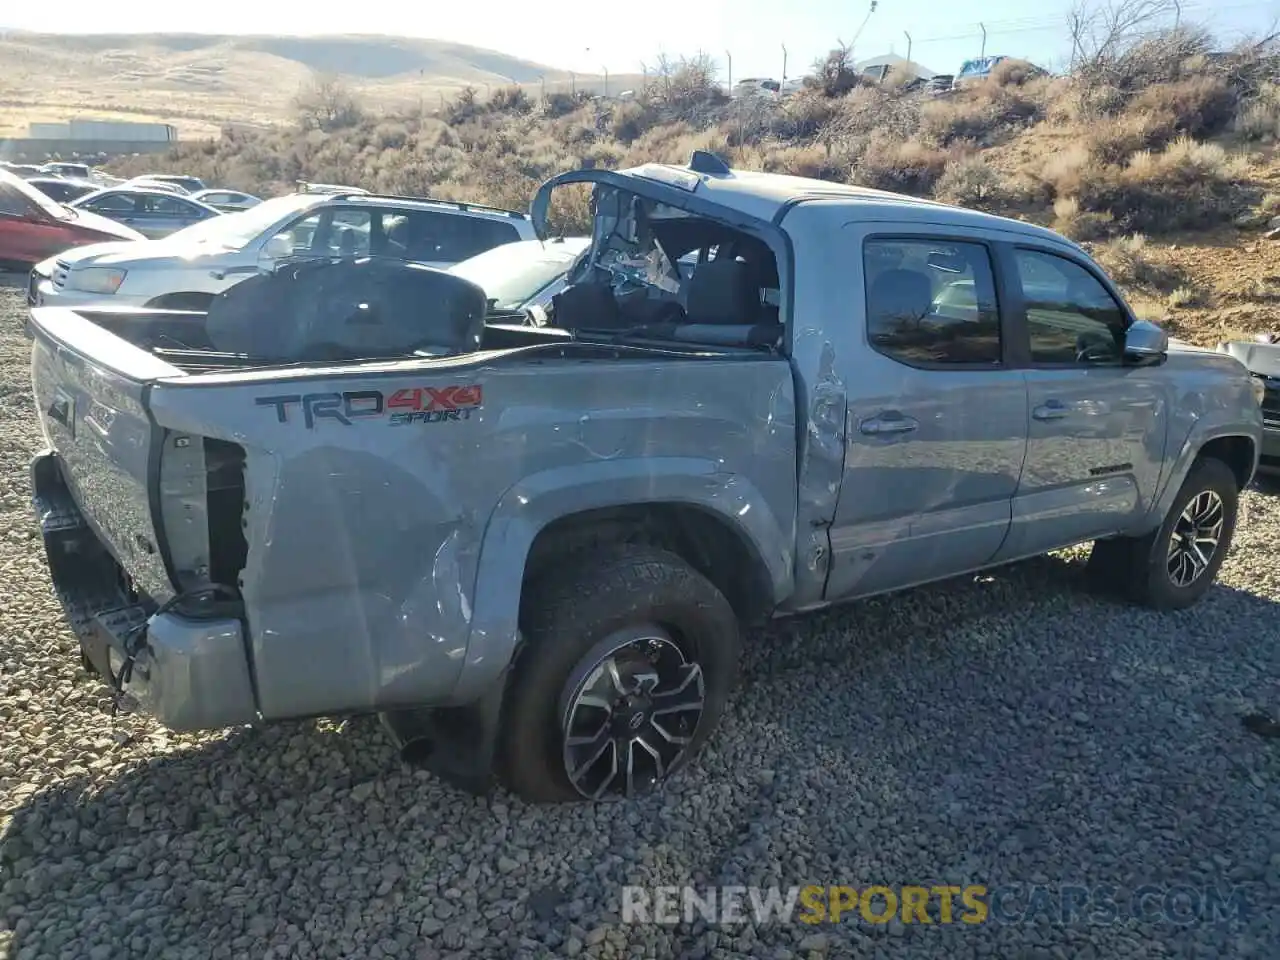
[1162,159]
[201,81]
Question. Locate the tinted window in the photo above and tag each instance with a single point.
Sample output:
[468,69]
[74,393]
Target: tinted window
[218,198]
[1071,318]
[426,236]
[330,233]
[349,233]
[112,203]
[931,302]
[173,207]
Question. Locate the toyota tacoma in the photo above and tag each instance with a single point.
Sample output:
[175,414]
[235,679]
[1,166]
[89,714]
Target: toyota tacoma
[533,550]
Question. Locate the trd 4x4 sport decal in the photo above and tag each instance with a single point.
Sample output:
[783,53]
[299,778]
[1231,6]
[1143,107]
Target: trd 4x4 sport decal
[408,405]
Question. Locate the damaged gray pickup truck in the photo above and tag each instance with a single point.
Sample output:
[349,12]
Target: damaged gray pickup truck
[532,547]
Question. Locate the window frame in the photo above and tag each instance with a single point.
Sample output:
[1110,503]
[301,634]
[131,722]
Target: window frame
[999,276]
[1017,305]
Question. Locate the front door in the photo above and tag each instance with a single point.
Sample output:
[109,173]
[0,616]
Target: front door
[1096,426]
[936,421]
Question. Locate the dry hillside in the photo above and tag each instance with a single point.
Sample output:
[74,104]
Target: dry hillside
[201,82]
[1159,156]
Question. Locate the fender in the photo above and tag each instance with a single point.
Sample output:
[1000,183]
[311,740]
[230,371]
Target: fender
[533,503]
[1196,438]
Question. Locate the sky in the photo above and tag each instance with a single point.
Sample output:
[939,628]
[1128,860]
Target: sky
[578,37]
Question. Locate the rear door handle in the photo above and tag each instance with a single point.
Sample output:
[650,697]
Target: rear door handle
[1051,410]
[891,422]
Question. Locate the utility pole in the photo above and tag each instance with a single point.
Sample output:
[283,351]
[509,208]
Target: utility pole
[729,57]
[542,77]
[606,82]
[983,28]
[861,26]
[573,84]
[908,36]
[784,62]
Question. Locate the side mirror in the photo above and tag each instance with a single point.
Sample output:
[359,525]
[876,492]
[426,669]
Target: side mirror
[277,248]
[1145,343]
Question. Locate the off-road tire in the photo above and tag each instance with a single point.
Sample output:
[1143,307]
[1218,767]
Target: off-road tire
[565,613]
[1138,568]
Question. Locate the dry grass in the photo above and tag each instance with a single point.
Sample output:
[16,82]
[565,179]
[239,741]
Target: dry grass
[1127,260]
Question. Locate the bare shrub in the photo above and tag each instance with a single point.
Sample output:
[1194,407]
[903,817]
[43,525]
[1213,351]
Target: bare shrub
[1128,260]
[1013,73]
[325,103]
[910,166]
[1259,118]
[979,113]
[1196,106]
[812,161]
[1081,225]
[511,99]
[970,181]
[834,74]
[686,89]
[629,121]
[1187,185]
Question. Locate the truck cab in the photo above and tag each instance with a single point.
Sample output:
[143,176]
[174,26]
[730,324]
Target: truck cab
[533,550]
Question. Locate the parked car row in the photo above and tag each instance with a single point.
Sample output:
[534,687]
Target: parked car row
[188,267]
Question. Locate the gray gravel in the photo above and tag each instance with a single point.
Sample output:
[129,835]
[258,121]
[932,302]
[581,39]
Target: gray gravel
[1009,730]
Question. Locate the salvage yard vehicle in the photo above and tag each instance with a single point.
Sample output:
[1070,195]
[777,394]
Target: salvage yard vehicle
[521,276]
[153,213]
[34,226]
[1261,357]
[228,201]
[187,269]
[533,550]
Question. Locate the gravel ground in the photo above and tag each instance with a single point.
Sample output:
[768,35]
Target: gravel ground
[1009,730]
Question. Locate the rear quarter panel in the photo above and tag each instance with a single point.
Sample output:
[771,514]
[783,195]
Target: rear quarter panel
[386,553]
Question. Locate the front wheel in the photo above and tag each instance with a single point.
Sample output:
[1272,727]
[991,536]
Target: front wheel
[627,660]
[1173,567]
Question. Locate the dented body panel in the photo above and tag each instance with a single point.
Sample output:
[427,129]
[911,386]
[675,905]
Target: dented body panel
[389,517]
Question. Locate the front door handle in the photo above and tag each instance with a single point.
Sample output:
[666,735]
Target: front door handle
[891,422]
[1051,410]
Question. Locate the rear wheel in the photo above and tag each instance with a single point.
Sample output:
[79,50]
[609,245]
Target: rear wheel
[1174,566]
[627,659]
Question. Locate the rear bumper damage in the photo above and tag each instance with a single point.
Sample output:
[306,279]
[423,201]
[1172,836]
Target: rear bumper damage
[189,673]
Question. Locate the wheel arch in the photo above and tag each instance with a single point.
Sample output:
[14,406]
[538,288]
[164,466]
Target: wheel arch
[1234,445]
[1237,451]
[721,524]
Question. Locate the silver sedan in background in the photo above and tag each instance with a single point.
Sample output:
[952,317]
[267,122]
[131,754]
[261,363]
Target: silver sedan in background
[153,213]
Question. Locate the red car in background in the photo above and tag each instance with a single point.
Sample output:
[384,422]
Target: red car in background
[34,227]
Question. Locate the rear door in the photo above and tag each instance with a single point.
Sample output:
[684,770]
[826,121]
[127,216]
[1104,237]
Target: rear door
[126,208]
[171,214]
[936,417]
[1097,427]
[89,387]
